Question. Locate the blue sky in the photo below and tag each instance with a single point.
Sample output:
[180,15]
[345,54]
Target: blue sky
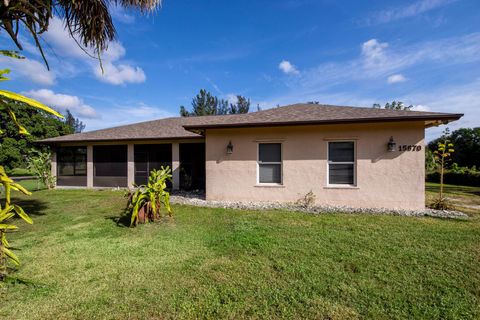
[422,52]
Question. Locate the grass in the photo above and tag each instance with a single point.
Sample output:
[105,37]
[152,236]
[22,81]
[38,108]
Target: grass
[19,172]
[79,263]
[32,184]
[463,198]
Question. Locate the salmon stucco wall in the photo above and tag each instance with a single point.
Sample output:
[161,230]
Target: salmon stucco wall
[383,179]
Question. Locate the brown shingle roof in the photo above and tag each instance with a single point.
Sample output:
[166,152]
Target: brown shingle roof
[168,128]
[297,114]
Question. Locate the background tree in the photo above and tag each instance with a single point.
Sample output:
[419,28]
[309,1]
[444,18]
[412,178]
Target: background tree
[206,104]
[15,146]
[75,124]
[203,104]
[467,144]
[395,105]
[241,106]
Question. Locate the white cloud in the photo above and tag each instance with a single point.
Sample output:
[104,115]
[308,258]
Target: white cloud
[62,102]
[421,107]
[120,73]
[286,67]
[374,52]
[74,59]
[60,41]
[118,13]
[411,10]
[29,69]
[396,78]
[378,60]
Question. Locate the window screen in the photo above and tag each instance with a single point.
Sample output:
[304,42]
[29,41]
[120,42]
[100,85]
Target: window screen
[148,157]
[341,162]
[72,161]
[110,161]
[270,163]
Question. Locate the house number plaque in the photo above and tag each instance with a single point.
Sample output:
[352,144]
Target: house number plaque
[409,147]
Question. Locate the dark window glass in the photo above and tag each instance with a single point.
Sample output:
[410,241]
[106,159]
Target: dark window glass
[192,166]
[341,151]
[270,173]
[270,163]
[341,173]
[269,152]
[72,161]
[149,157]
[341,162]
[110,161]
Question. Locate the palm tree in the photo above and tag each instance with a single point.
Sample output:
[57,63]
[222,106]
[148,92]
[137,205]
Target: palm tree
[88,20]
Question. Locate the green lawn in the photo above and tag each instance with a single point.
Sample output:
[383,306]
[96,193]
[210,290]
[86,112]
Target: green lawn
[78,263]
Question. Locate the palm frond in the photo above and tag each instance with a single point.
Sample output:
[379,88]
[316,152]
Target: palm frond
[87,20]
[142,5]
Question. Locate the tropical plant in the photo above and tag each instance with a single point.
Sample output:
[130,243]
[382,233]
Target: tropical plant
[145,203]
[40,163]
[9,210]
[442,154]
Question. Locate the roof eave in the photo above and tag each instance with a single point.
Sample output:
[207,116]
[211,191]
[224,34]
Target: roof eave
[53,142]
[438,119]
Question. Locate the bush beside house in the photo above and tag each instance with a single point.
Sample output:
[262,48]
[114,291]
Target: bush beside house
[460,176]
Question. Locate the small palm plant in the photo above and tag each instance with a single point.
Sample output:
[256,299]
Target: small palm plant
[442,155]
[145,203]
[7,212]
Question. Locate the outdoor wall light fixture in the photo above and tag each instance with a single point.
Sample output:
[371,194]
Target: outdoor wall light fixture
[230,147]
[391,145]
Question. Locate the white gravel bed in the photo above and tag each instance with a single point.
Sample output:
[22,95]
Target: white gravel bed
[196,199]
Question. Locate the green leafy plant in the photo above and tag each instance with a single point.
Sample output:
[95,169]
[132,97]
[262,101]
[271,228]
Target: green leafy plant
[441,156]
[9,210]
[145,203]
[40,163]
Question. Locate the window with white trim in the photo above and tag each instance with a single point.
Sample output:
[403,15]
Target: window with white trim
[270,163]
[341,163]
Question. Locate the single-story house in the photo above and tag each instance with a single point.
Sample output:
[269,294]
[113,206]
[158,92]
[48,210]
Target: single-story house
[346,156]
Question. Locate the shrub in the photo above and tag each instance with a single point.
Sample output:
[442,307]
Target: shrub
[39,162]
[441,204]
[145,203]
[463,176]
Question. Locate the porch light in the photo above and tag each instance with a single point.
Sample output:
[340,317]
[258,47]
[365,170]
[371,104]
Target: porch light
[230,147]
[391,145]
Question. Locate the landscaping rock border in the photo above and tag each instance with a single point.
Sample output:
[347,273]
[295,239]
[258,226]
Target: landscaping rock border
[198,199]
